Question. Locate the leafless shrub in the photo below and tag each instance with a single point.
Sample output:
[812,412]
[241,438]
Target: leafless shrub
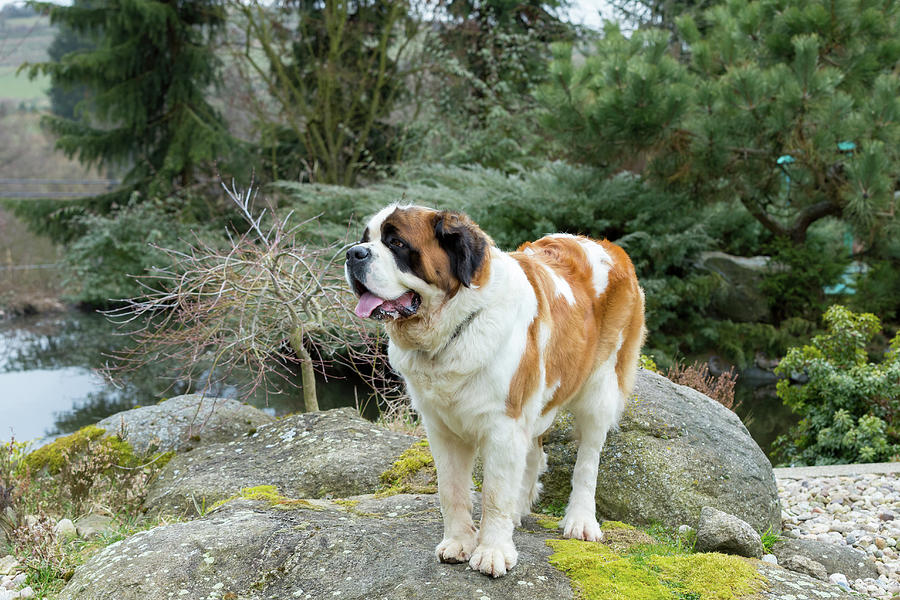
[697,376]
[264,300]
[36,542]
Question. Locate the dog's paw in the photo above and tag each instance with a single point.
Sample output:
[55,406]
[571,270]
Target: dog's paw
[452,550]
[494,560]
[581,527]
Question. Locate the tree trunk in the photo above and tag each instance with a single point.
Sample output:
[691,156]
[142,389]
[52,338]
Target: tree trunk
[307,373]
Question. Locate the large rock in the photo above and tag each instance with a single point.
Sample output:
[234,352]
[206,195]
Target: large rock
[676,452]
[379,549]
[836,558]
[311,455]
[364,548]
[790,585]
[184,422]
[719,531]
[740,298]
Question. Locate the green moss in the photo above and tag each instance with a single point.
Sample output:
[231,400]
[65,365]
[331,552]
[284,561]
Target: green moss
[412,473]
[162,459]
[348,504]
[547,522]
[597,572]
[52,455]
[608,525]
[270,494]
[122,451]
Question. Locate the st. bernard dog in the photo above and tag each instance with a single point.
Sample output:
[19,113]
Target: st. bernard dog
[491,346]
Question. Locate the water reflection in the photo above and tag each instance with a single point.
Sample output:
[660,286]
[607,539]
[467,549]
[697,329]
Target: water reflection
[49,384]
[763,413]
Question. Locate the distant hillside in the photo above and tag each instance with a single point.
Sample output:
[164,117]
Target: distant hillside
[23,38]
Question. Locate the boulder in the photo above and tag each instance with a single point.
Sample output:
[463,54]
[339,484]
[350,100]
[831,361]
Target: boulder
[801,564]
[358,548]
[8,564]
[93,525]
[65,529]
[382,548]
[184,422]
[675,452]
[787,585]
[836,558]
[718,531]
[311,455]
[740,299]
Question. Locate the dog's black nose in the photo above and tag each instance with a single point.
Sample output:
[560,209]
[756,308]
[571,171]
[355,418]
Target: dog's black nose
[358,254]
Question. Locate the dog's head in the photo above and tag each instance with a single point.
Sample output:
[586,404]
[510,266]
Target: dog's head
[412,259]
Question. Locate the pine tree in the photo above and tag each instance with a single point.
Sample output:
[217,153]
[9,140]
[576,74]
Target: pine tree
[791,107]
[147,79]
[66,100]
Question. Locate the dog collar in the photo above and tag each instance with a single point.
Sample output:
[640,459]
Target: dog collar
[458,331]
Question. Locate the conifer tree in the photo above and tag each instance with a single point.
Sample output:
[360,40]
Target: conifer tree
[147,79]
[791,107]
[66,100]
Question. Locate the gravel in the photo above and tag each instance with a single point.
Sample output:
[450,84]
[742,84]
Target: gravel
[862,511]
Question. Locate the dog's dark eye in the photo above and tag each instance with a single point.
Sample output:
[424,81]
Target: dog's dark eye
[397,243]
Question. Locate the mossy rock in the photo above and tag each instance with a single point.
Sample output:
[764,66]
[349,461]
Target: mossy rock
[599,572]
[185,422]
[270,495]
[52,457]
[328,454]
[675,452]
[412,473]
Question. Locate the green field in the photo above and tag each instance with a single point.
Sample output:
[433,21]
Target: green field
[24,40]
[19,88]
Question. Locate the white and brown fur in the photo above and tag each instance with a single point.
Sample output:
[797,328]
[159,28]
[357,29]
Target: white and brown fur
[499,344]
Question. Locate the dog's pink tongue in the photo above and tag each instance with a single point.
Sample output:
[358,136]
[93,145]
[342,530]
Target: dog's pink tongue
[367,303]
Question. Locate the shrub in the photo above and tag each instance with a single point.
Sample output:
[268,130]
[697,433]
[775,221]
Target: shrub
[847,404]
[697,376]
[113,248]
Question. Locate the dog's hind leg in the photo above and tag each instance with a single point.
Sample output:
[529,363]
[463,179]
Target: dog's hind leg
[596,410]
[535,465]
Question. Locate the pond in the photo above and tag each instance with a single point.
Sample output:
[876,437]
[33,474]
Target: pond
[49,383]
[762,412]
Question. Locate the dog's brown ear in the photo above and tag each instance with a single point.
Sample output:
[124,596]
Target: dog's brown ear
[464,243]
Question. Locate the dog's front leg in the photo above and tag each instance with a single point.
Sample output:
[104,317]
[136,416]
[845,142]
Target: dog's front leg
[453,459]
[504,465]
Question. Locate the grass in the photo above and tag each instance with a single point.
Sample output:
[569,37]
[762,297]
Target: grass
[769,539]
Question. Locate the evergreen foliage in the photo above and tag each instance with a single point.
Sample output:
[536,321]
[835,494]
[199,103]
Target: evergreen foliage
[790,107]
[66,98]
[102,262]
[147,79]
[560,198]
[848,404]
